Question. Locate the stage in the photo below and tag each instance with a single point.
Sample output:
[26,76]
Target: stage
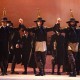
[30,75]
[33,77]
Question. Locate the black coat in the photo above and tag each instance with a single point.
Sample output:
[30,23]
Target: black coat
[28,58]
[26,49]
[4,40]
[60,51]
[16,51]
[32,61]
[78,54]
[40,32]
[71,35]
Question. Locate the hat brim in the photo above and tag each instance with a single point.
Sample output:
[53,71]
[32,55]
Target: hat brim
[40,20]
[72,21]
[4,21]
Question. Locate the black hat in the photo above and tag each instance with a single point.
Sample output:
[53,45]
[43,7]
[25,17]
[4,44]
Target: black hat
[72,20]
[4,19]
[39,19]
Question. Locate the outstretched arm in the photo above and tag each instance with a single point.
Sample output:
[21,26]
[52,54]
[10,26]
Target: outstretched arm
[58,28]
[21,24]
[55,26]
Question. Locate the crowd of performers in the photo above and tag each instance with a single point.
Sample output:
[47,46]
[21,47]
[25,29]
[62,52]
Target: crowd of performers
[28,46]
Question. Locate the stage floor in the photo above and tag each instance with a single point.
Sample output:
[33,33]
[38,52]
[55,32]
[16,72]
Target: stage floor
[33,77]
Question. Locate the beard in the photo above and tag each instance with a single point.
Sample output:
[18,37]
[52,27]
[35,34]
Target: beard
[72,25]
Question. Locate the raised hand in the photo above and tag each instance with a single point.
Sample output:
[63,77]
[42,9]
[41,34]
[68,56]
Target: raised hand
[21,21]
[58,20]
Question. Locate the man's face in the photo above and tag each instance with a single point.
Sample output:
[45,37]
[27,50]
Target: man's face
[4,23]
[72,23]
[21,31]
[39,23]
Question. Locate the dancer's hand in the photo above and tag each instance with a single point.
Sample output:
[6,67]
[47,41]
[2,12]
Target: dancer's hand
[58,20]
[21,21]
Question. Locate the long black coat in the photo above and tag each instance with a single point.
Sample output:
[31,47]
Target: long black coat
[26,49]
[16,51]
[28,58]
[60,51]
[4,39]
[32,61]
[71,35]
[78,54]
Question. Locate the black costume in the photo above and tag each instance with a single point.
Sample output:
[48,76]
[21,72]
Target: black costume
[57,49]
[27,51]
[78,56]
[4,48]
[31,61]
[40,44]
[72,41]
[16,42]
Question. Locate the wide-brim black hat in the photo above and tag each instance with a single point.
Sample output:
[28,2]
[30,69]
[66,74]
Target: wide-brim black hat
[72,20]
[39,19]
[4,19]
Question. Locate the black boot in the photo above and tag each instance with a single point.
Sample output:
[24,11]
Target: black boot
[2,69]
[5,70]
[34,70]
[73,71]
[58,72]
[2,72]
[71,74]
[41,73]
[77,72]
[25,70]
[53,68]
[13,68]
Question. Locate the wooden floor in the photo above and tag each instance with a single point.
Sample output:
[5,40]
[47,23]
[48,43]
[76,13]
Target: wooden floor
[31,76]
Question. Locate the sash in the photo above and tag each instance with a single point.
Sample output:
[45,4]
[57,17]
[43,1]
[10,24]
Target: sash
[73,47]
[40,46]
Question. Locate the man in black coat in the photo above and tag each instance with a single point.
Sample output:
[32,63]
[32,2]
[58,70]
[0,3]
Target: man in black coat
[4,40]
[57,49]
[40,43]
[32,62]
[72,42]
[78,55]
[17,48]
[27,51]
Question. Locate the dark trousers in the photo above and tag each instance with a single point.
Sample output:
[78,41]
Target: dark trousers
[16,58]
[4,65]
[53,66]
[72,64]
[40,58]
[13,64]
[78,62]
